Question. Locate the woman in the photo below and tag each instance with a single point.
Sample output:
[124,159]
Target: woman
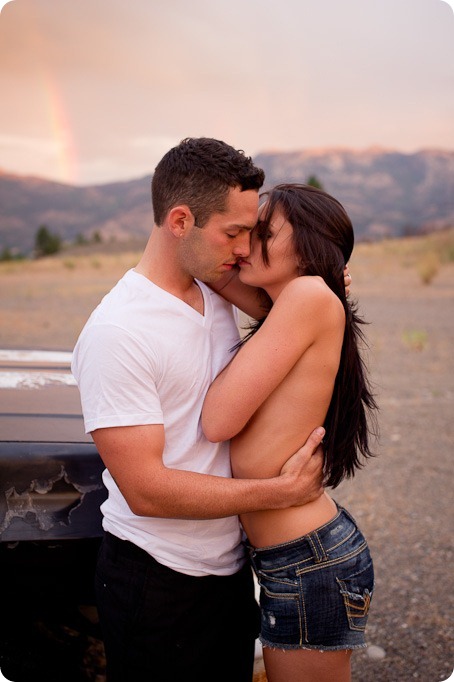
[301,367]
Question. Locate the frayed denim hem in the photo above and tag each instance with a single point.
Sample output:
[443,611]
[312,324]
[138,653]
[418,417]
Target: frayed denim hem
[315,647]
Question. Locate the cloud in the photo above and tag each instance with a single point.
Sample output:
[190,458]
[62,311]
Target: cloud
[34,145]
[123,82]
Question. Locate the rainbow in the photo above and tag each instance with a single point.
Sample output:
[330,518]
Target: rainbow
[63,147]
[61,130]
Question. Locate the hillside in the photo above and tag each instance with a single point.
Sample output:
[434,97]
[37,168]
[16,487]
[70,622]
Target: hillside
[387,193]
[119,210]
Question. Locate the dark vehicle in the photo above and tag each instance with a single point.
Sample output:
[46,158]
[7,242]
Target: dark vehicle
[50,522]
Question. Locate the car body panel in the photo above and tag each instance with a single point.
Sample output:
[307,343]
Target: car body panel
[50,471]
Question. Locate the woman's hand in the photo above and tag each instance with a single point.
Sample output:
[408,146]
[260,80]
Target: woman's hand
[347,280]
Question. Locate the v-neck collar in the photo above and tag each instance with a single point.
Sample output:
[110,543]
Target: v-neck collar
[204,319]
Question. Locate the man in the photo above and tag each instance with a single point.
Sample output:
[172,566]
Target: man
[175,594]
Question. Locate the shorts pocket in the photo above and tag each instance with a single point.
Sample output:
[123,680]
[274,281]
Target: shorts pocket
[356,591]
[281,616]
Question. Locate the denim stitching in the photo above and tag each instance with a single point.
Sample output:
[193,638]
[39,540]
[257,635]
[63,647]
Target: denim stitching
[279,581]
[268,571]
[333,562]
[303,605]
[322,549]
[329,562]
[349,605]
[284,595]
[314,548]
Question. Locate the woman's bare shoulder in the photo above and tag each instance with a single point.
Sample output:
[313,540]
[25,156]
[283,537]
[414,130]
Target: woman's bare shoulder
[310,300]
[307,289]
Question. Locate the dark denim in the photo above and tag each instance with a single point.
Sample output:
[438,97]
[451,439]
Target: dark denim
[315,591]
[163,626]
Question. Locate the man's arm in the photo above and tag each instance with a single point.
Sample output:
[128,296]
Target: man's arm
[253,301]
[133,455]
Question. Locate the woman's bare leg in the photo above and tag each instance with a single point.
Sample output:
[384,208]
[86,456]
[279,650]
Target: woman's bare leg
[307,665]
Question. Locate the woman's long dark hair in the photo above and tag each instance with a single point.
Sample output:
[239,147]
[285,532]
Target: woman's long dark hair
[323,240]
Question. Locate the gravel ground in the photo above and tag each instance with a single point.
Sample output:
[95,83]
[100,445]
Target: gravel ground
[402,499]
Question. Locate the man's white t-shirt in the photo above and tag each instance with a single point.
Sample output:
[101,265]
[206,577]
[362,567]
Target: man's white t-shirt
[146,357]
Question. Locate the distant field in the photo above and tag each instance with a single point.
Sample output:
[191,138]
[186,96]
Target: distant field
[44,303]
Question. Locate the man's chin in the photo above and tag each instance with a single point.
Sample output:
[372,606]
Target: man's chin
[214,277]
[210,277]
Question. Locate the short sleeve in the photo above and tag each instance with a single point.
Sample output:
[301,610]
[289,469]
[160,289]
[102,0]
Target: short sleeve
[117,377]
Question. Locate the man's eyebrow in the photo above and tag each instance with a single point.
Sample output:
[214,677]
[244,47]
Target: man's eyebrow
[249,228]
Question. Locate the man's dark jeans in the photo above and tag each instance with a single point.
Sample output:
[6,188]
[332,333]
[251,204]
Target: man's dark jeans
[163,626]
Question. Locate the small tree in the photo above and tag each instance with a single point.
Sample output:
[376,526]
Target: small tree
[46,243]
[6,254]
[80,239]
[313,181]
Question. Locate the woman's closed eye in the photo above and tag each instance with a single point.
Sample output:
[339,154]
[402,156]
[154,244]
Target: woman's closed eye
[262,231]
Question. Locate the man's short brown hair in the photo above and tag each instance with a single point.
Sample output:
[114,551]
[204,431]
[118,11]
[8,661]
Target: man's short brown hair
[199,173]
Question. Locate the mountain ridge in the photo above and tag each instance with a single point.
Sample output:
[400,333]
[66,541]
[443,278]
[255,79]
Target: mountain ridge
[386,192]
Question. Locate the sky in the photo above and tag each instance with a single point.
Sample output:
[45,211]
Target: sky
[94,91]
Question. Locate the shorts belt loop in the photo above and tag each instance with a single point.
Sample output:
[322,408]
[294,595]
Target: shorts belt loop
[252,555]
[317,548]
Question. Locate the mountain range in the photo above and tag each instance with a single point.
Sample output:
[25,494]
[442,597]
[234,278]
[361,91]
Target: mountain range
[387,193]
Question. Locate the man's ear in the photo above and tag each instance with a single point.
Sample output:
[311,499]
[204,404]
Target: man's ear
[180,220]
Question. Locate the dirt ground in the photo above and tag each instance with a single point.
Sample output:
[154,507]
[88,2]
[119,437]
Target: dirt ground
[403,498]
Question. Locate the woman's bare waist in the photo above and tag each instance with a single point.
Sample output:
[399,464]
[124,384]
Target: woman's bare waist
[272,527]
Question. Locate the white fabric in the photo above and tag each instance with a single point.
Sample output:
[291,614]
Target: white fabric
[146,357]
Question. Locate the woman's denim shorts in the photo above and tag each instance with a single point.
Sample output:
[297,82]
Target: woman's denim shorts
[315,591]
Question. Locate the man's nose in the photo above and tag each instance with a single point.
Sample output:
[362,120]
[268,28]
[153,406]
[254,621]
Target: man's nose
[243,245]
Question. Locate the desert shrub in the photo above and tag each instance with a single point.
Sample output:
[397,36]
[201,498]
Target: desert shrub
[447,249]
[428,267]
[415,339]
[7,255]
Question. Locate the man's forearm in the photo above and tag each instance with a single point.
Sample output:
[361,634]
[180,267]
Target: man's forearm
[189,495]
[152,489]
